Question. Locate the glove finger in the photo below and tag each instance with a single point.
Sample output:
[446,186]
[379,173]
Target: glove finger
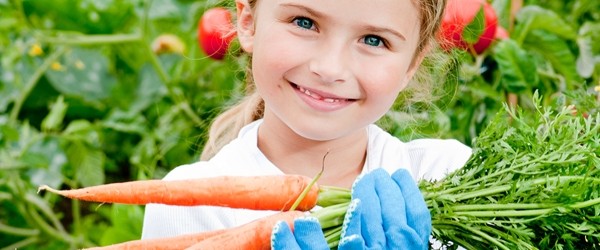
[391,201]
[417,213]
[352,242]
[369,208]
[352,222]
[282,237]
[309,234]
[393,212]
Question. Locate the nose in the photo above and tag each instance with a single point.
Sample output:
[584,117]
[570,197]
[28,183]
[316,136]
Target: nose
[329,63]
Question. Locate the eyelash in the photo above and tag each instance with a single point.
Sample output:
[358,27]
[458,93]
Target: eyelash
[382,41]
[296,19]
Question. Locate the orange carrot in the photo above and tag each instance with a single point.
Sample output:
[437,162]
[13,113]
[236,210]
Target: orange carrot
[251,236]
[252,192]
[176,242]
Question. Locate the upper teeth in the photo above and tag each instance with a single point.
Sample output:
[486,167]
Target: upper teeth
[316,96]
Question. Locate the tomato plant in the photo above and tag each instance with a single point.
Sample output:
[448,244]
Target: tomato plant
[468,24]
[215,32]
[84,98]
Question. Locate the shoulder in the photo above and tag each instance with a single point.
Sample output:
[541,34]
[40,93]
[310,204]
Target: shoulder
[438,157]
[424,158]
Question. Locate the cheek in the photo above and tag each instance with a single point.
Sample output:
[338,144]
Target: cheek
[271,58]
[382,84]
[385,79]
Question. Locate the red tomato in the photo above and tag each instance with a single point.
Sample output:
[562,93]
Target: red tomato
[215,32]
[458,15]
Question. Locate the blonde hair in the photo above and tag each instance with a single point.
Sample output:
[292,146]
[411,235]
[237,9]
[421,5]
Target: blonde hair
[227,125]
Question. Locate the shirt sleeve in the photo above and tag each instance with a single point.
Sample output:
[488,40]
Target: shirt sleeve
[436,158]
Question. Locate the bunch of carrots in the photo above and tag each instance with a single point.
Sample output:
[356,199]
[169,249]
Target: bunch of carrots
[531,183]
[292,195]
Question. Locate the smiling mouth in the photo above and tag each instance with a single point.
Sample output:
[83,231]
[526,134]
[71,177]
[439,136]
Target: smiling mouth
[319,97]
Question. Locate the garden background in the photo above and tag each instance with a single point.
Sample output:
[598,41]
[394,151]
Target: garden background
[86,99]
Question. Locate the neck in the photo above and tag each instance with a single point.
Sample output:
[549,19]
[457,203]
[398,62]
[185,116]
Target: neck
[294,154]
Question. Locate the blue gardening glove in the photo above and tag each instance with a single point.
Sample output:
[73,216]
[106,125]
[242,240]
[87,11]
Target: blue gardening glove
[386,213]
[307,235]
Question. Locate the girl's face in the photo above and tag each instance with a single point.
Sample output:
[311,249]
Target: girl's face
[328,68]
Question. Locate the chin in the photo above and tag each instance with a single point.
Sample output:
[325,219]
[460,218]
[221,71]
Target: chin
[317,133]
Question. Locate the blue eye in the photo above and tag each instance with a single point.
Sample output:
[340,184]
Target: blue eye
[304,23]
[374,41]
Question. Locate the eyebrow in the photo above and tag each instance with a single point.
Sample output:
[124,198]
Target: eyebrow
[385,30]
[304,8]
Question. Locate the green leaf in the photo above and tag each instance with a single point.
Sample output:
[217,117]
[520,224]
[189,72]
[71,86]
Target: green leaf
[52,158]
[87,162]
[57,113]
[534,17]
[475,28]
[517,68]
[164,9]
[503,11]
[82,130]
[581,7]
[126,223]
[556,51]
[86,16]
[83,73]
[128,122]
[149,91]
[589,34]
[14,77]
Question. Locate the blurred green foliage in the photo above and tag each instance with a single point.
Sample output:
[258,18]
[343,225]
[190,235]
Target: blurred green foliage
[84,100]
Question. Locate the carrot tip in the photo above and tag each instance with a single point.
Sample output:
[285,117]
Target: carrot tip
[46,188]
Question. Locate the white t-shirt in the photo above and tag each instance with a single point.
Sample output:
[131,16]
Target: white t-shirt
[429,159]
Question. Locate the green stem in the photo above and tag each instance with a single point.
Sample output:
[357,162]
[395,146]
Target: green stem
[92,39]
[584,204]
[507,206]
[479,233]
[162,74]
[47,228]
[13,166]
[331,216]
[33,80]
[76,211]
[506,187]
[529,212]
[6,229]
[329,195]
[164,77]
[333,237]
[20,13]
[482,179]
[511,213]
[5,196]
[307,189]
[21,244]
[524,32]
[40,205]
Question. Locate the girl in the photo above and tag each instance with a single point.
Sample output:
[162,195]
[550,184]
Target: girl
[322,73]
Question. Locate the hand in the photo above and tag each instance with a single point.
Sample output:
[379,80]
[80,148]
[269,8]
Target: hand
[386,213]
[307,235]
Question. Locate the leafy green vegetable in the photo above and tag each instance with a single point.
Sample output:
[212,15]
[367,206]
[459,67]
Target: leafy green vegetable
[532,182]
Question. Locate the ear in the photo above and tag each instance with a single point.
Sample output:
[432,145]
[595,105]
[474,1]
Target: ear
[245,25]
